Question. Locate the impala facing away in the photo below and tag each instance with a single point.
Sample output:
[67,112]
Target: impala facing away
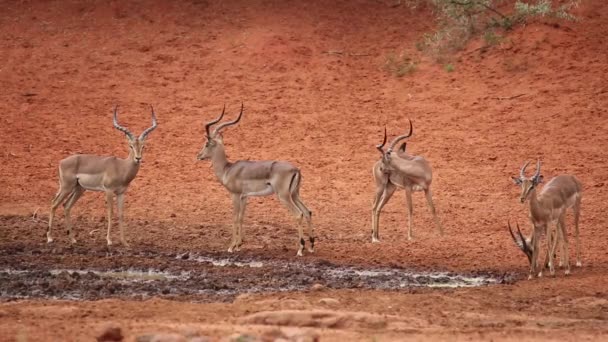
[255,178]
[549,207]
[111,175]
[401,170]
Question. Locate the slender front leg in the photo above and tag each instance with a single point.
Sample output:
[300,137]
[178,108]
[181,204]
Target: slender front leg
[385,193]
[120,201]
[410,210]
[429,200]
[241,217]
[109,204]
[577,214]
[536,246]
[236,203]
[561,227]
[552,239]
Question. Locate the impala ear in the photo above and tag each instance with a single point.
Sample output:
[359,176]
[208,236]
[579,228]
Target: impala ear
[402,147]
[538,179]
[516,180]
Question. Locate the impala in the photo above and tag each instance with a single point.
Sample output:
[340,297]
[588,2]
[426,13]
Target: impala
[111,175]
[401,170]
[245,179]
[547,208]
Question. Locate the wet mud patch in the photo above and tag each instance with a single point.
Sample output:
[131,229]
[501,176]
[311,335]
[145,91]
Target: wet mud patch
[201,277]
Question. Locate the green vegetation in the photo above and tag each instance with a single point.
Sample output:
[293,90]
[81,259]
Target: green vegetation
[399,64]
[461,20]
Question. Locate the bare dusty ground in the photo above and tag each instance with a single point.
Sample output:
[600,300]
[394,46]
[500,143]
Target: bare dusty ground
[64,64]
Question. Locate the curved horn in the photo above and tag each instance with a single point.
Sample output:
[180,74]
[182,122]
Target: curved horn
[519,243]
[230,123]
[119,127]
[213,122]
[522,171]
[401,137]
[380,146]
[145,133]
[537,174]
[523,241]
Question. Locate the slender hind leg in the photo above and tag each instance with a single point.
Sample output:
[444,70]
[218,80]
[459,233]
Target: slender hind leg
[308,217]
[429,200]
[74,196]
[64,190]
[382,197]
[288,202]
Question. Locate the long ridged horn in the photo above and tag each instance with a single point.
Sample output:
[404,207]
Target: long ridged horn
[380,147]
[213,122]
[145,133]
[401,137]
[119,127]
[230,123]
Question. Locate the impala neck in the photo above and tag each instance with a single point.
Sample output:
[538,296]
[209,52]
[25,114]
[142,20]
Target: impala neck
[535,205]
[219,161]
[133,166]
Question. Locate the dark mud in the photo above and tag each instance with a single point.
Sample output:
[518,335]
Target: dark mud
[25,273]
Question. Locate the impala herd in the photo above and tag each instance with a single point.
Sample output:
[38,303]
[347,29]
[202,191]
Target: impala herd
[242,179]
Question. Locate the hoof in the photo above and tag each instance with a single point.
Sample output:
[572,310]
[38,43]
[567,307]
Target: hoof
[109,242]
[300,253]
[49,240]
[125,243]
[374,240]
[567,272]
[530,277]
[311,250]
[578,263]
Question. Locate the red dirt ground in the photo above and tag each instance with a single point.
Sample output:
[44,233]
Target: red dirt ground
[66,63]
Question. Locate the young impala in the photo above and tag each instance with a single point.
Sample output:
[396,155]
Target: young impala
[245,179]
[547,208]
[111,175]
[401,170]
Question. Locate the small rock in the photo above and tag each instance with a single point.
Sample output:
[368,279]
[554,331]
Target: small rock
[317,287]
[329,301]
[110,332]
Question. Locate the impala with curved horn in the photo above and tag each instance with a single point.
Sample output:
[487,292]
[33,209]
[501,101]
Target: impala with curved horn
[111,175]
[547,208]
[255,178]
[401,170]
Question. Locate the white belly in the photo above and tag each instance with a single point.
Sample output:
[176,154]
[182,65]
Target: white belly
[92,182]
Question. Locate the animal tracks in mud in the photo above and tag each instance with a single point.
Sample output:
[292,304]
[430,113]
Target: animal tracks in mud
[196,277]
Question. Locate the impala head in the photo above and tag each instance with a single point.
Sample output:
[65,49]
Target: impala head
[214,139]
[136,145]
[522,242]
[386,156]
[527,184]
